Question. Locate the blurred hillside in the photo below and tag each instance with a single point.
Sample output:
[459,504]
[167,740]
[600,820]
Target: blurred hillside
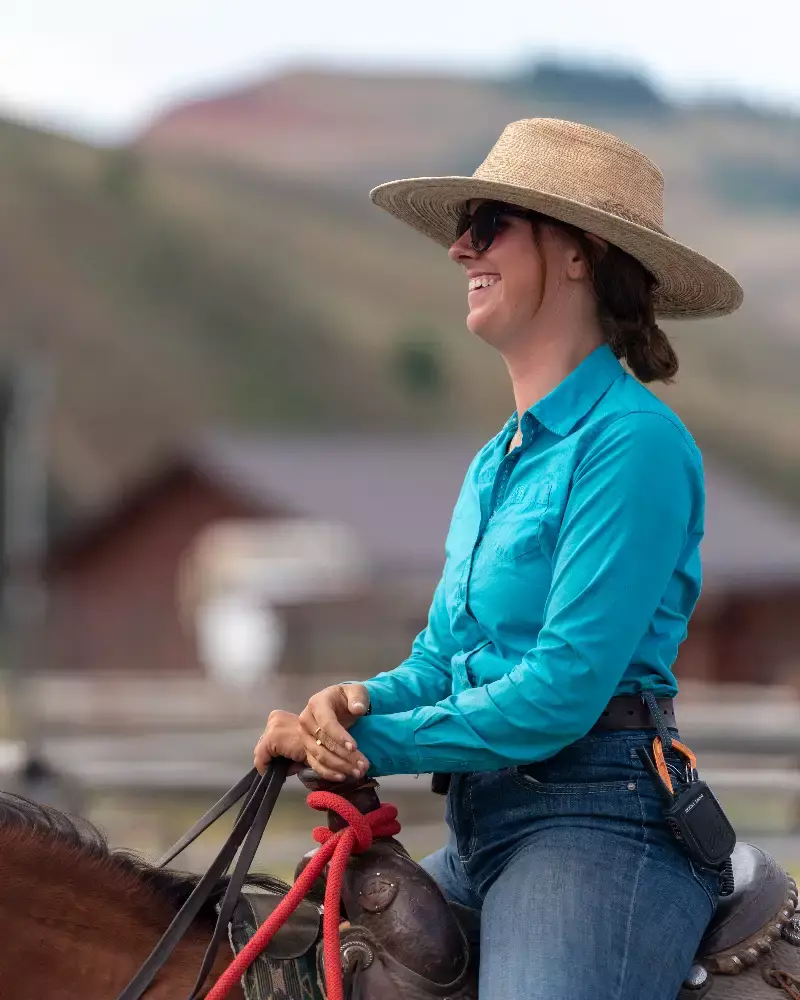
[229,266]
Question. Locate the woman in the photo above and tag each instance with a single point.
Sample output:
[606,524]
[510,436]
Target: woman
[572,568]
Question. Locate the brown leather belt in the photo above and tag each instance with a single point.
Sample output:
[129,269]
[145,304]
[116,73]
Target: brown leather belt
[622,712]
[630,712]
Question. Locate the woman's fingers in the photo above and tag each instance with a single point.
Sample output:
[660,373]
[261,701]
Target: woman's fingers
[262,760]
[328,773]
[328,765]
[283,737]
[354,763]
[327,707]
[337,764]
[261,755]
[316,735]
[321,763]
[333,763]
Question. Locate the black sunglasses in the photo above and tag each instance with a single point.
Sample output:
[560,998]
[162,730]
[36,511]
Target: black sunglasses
[487,221]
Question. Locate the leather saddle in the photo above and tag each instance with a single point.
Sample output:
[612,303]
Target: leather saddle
[762,903]
[754,929]
[406,941]
[287,967]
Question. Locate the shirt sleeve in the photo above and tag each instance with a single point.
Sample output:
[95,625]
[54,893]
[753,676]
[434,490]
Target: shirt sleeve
[424,678]
[636,498]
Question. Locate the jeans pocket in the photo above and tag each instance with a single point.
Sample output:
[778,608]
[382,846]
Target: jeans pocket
[708,879]
[460,815]
[591,770]
[574,787]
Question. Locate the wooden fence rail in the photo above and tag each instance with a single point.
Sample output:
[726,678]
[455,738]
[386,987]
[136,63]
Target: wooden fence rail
[181,733]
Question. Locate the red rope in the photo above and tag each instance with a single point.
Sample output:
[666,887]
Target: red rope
[336,848]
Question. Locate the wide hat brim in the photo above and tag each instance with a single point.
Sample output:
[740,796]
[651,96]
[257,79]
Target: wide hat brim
[688,285]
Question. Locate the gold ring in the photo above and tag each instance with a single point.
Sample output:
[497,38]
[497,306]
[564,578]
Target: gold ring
[323,740]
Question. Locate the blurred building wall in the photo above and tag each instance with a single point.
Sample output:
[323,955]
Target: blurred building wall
[114,601]
[115,598]
[746,637]
[112,591]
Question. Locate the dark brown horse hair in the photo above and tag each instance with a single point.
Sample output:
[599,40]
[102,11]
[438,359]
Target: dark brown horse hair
[83,837]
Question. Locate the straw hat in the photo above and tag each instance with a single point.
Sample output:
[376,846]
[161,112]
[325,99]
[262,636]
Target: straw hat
[588,178]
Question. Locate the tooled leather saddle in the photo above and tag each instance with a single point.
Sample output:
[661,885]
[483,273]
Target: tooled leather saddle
[405,942]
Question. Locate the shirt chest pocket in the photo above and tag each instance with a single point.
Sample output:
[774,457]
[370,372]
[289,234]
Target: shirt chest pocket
[514,531]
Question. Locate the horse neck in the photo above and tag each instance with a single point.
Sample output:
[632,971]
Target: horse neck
[78,926]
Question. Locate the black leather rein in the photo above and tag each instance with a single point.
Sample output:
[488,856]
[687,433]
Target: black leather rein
[260,792]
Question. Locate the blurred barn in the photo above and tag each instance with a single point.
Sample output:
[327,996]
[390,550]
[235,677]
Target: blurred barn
[115,586]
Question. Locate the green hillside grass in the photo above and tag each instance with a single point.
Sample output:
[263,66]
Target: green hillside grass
[175,286]
[152,327]
[374,279]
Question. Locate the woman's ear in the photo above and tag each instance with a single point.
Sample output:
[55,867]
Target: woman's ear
[576,265]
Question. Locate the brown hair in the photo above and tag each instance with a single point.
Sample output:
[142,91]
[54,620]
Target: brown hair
[623,289]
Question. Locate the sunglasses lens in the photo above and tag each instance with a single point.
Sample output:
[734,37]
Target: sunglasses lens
[484,227]
[464,223]
[484,224]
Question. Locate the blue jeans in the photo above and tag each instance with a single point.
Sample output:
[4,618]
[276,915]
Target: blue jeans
[583,892]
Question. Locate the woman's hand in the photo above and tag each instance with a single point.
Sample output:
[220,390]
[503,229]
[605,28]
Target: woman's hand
[329,748]
[283,737]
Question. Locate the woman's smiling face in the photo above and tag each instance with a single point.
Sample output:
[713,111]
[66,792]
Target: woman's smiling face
[506,282]
[528,271]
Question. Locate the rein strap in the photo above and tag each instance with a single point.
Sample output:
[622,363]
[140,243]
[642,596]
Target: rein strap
[261,793]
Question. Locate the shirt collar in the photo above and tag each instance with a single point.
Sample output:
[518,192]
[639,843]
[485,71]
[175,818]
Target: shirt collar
[561,409]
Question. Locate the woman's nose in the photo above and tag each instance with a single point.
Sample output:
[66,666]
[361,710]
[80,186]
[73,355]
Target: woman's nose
[462,249]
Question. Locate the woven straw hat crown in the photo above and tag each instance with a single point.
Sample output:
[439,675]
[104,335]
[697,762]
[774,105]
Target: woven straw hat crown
[588,178]
[579,163]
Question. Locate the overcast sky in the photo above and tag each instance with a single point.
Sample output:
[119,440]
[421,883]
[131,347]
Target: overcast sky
[101,68]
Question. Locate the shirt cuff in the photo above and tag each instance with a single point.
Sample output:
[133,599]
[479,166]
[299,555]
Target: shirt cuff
[387,741]
[378,692]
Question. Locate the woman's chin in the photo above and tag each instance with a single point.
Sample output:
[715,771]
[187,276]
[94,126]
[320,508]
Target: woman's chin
[481,325]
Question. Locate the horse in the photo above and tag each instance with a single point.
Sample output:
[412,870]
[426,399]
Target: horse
[78,920]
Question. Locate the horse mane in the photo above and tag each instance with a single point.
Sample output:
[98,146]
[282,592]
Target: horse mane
[85,839]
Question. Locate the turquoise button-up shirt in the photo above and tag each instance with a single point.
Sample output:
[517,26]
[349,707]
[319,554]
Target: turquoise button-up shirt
[571,570]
